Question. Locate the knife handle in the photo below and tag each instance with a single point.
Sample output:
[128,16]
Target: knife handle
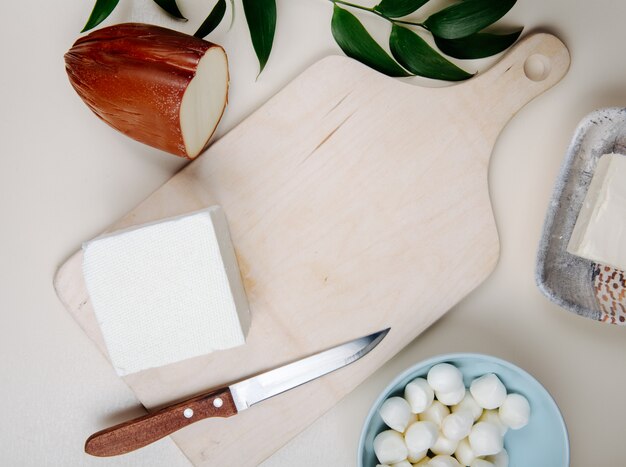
[141,431]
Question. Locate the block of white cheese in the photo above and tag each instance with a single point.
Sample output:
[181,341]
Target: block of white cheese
[600,230]
[167,291]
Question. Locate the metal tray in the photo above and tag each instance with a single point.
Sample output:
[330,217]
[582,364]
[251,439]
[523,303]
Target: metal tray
[568,280]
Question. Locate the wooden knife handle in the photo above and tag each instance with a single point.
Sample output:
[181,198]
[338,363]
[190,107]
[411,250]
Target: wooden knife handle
[144,430]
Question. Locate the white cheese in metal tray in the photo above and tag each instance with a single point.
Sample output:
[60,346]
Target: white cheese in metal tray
[600,230]
[167,291]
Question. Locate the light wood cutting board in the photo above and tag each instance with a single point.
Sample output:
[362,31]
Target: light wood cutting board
[356,202]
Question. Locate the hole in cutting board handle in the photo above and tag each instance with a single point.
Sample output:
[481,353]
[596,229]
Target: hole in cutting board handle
[537,67]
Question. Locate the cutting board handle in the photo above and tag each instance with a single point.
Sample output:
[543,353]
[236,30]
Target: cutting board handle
[535,64]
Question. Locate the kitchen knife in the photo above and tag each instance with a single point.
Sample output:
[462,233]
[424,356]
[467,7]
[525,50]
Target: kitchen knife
[227,401]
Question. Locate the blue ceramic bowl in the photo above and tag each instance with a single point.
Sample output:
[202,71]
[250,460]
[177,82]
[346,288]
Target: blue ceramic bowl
[541,443]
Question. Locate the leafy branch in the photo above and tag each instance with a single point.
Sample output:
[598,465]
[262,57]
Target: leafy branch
[456,30]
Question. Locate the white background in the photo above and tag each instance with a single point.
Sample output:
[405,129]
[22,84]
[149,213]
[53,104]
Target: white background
[65,176]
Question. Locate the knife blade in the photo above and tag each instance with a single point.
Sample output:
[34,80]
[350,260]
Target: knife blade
[227,401]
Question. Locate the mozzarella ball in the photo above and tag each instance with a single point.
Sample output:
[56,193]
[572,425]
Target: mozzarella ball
[445,378]
[444,446]
[488,391]
[425,462]
[457,426]
[481,463]
[468,403]
[419,395]
[485,439]
[451,398]
[515,411]
[396,413]
[382,465]
[499,460]
[389,447]
[492,416]
[416,456]
[464,452]
[443,461]
[435,413]
[404,463]
[421,436]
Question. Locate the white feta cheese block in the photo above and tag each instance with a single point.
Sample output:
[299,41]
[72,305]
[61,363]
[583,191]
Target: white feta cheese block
[167,291]
[600,230]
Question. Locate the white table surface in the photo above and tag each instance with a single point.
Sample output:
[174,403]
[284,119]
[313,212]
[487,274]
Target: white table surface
[65,176]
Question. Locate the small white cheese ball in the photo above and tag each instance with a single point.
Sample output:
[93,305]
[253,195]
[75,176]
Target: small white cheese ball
[468,403]
[421,436]
[444,446]
[416,456]
[492,416]
[382,465]
[396,413]
[444,377]
[457,426]
[404,463]
[485,439]
[425,462]
[481,463]
[451,398]
[435,413]
[499,460]
[464,452]
[488,391]
[419,395]
[389,447]
[515,411]
[443,461]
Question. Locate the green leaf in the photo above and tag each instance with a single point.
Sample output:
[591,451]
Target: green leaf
[467,17]
[170,7]
[356,42]
[399,8]
[101,10]
[477,45]
[414,54]
[212,21]
[261,19]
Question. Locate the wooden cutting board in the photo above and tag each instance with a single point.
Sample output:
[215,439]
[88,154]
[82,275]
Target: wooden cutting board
[356,202]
